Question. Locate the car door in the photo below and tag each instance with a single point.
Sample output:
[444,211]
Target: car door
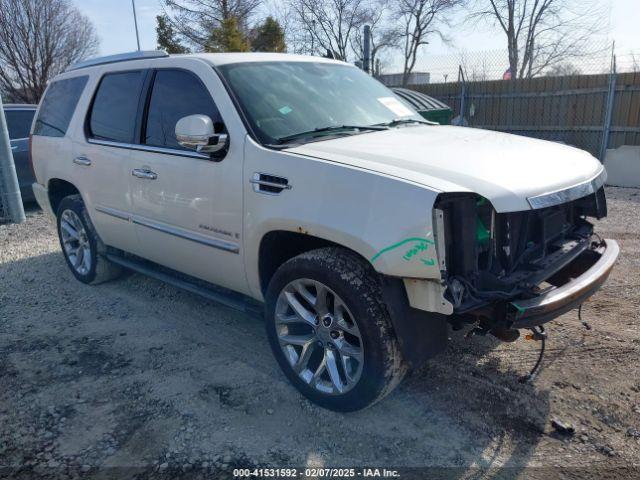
[188,206]
[102,160]
[19,124]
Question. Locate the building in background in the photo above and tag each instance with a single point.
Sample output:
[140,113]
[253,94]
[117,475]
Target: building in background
[395,79]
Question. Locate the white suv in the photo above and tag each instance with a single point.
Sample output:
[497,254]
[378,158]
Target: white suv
[305,185]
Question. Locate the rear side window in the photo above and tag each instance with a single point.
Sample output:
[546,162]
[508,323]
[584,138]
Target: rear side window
[58,105]
[19,123]
[115,106]
[176,94]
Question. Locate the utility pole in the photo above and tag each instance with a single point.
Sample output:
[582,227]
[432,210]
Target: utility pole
[611,93]
[366,54]
[135,20]
[11,208]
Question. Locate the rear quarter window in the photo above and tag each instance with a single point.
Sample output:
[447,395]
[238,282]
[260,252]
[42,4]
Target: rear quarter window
[115,107]
[58,105]
[19,123]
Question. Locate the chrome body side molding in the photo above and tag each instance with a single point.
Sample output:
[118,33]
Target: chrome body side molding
[176,232]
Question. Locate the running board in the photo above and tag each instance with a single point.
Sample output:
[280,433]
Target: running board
[220,295]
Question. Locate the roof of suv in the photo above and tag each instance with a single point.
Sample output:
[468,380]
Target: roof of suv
[226,58]
[211,58]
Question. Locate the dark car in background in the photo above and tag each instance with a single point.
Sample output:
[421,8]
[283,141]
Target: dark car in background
[19,119]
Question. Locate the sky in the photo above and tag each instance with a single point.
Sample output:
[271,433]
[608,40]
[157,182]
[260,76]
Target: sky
[113,20]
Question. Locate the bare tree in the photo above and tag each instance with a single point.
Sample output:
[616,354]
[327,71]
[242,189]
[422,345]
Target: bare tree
[562,70]
[329,24]
[474,68]
[543,33]
[38,40]
[419,20]
[196,19]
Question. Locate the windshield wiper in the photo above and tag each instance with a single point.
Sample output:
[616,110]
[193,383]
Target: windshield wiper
[329,129]
[404,121]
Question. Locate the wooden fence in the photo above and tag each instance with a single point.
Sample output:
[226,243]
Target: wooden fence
[592,112]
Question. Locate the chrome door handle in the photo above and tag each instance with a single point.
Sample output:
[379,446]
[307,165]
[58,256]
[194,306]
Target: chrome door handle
[83,161]
[14,148]
[144,173]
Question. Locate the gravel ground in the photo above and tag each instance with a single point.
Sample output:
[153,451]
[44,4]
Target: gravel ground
[135,374]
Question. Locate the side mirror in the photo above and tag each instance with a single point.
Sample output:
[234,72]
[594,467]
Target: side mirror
[196,132]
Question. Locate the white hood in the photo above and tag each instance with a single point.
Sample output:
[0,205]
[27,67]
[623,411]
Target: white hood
[506,169]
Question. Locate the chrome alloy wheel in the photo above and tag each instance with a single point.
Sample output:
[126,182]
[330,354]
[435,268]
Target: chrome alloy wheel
[75,242]
[319,336]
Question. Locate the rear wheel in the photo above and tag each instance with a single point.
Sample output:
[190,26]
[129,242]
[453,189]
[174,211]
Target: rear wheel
[330,331]
[81,245]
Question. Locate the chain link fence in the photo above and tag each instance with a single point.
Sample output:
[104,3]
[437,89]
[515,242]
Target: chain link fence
[591,102]
[11,209]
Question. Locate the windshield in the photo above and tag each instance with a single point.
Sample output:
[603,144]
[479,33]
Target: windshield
[296,101]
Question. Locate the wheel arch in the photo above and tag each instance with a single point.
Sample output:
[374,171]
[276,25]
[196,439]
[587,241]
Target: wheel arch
[278,246]
[58,189]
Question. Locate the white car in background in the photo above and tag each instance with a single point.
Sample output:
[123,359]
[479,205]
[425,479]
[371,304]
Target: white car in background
[304,185]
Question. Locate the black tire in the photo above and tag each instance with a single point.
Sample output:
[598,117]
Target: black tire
[100,269]
[358,286]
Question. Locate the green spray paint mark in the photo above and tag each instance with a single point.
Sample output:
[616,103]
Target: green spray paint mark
[520,309]
[420,245]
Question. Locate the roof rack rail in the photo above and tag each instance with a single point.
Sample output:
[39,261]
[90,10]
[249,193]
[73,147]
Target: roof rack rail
[121,57]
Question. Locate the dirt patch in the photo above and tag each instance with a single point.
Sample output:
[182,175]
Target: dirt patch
[135,374]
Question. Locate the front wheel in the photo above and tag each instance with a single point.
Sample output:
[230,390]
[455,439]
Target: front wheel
[330,331]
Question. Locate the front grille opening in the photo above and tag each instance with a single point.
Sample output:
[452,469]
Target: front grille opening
[493,256]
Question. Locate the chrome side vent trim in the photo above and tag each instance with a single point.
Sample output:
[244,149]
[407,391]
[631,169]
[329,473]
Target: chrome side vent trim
[269,184]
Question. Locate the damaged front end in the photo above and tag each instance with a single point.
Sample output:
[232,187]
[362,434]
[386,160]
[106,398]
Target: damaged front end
[507,271]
